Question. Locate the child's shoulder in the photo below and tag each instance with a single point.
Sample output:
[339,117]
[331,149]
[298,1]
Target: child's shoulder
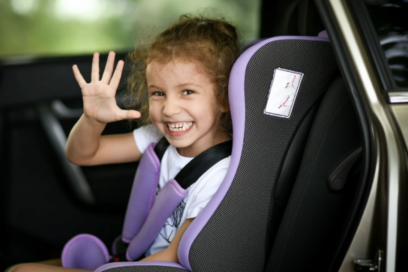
[149,130]
[146,135]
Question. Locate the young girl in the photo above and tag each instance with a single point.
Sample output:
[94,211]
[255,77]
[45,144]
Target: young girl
[184,74]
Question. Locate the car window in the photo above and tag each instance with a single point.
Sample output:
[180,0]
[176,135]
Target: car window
[391,25]
[73,27]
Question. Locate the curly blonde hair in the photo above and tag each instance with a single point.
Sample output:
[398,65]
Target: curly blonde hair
[213,43]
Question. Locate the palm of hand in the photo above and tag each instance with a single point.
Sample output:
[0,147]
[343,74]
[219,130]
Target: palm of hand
[99,95]
[100,103]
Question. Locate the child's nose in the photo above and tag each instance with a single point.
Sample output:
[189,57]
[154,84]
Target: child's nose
[171,107]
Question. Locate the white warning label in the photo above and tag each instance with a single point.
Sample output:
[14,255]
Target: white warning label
[282,93]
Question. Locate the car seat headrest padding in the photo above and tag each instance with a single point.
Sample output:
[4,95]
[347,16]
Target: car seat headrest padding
[234,236]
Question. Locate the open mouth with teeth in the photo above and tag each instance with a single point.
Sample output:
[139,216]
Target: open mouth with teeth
[179,126]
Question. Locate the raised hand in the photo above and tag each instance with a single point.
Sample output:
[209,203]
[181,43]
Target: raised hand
[99,95]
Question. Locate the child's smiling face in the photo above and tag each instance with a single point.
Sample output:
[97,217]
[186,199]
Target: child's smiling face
[183,106]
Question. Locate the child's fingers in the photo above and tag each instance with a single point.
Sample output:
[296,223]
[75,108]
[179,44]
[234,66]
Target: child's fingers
[78,76]
[128,114]
[108,68]
[116,75]
[95,68]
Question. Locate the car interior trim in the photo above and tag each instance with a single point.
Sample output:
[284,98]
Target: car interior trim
[63,112]
[373,45]
[368,158]
[385,128]
[58,139]
[398,97]
[400,112]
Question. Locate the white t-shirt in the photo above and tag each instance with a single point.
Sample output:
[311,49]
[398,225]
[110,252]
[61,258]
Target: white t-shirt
[198,194]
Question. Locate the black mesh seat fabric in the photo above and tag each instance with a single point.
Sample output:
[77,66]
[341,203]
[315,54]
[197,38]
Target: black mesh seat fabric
[274,210]
[317,219]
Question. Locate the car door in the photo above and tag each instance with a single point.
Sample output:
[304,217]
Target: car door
[370,40]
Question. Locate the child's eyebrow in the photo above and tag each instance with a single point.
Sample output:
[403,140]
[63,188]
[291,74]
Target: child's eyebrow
[153,86]
[188,84]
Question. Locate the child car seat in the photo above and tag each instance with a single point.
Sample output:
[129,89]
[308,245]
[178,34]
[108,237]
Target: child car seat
[288,200]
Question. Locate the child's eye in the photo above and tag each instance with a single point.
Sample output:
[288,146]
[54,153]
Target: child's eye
[157,94]
[187,92]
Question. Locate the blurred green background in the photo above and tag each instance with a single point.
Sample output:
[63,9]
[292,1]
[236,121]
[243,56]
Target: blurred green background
[76,27]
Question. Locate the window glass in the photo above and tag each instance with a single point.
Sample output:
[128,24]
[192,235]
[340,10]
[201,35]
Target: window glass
[67,27]
[390,19]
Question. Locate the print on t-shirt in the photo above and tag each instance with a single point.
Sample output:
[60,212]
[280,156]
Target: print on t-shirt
[174,222]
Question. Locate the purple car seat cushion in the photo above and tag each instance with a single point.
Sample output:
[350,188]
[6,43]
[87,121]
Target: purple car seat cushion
[84,251]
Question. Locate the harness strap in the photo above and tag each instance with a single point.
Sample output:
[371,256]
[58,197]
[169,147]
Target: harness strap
[200,164]
[161,147]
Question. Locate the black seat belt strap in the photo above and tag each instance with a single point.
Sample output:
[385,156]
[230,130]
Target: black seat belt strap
[161,147]
[200,164]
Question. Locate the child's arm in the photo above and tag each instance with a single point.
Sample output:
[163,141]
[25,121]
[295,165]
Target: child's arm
[170,253]
[85,145]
